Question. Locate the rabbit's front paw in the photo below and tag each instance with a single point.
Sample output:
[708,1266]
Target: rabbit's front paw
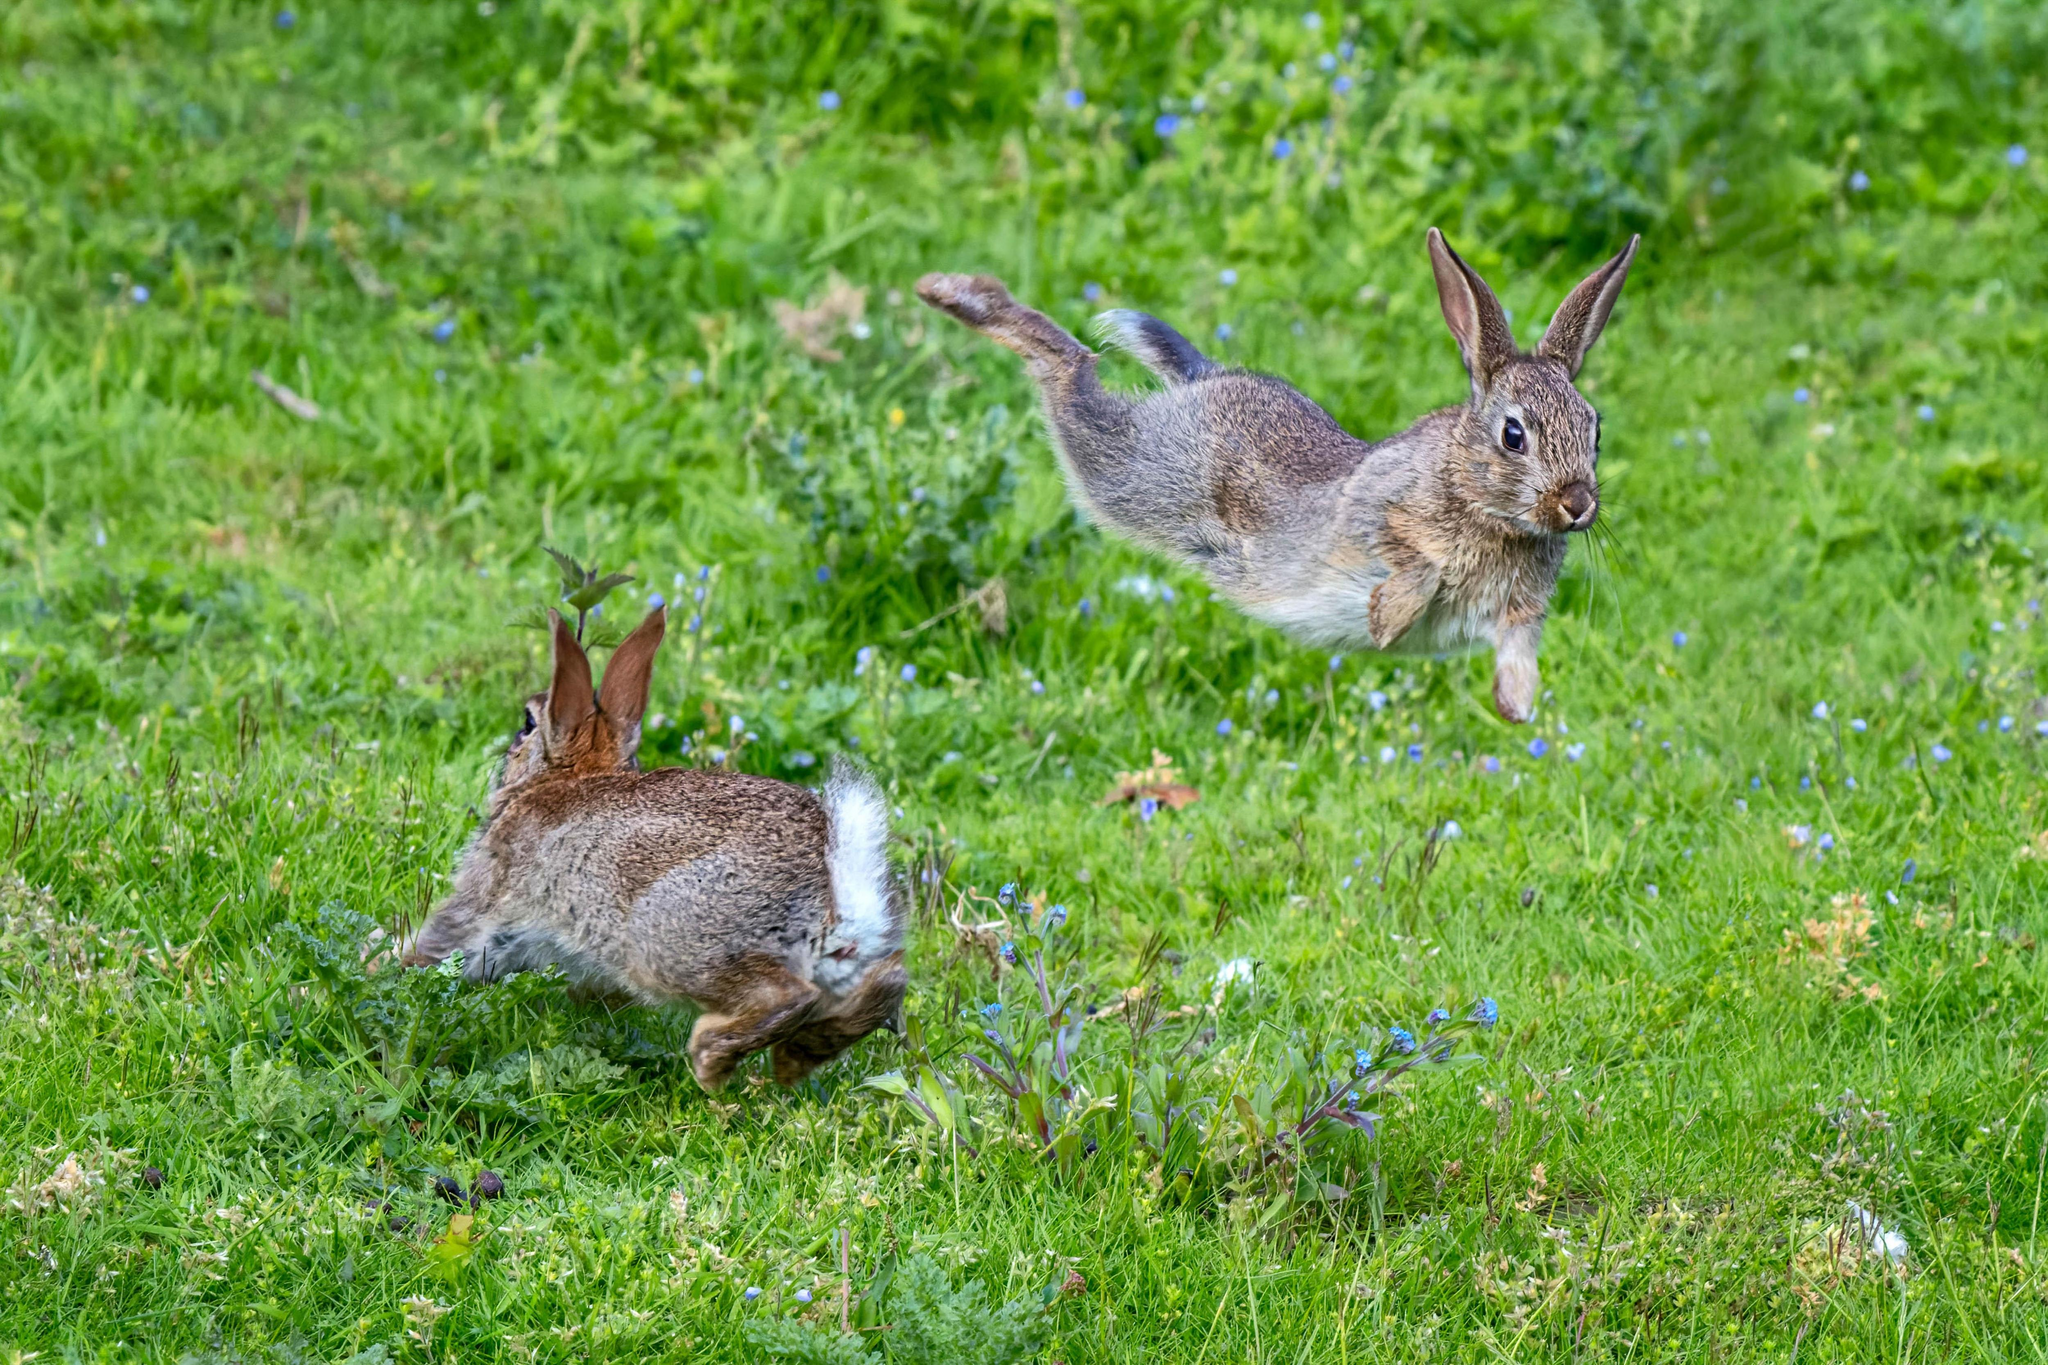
[1397,604]
[1514,690]
[599,993]
[1515,678]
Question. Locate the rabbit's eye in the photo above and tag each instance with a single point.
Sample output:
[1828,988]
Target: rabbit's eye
[525,724]
[1511,434]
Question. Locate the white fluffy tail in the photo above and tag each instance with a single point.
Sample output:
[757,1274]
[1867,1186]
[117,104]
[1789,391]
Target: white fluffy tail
[858,860]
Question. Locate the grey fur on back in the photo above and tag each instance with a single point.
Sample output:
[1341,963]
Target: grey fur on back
[1443,536]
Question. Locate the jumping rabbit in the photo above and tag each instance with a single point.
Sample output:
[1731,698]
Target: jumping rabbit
[766,905]
[1446,535]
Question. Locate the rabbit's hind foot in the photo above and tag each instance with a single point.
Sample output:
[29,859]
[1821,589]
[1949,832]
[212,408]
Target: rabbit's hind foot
[768,1007]
[983,303]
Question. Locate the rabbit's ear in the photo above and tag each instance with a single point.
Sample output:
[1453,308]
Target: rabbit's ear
[1584,311]
[1472,312]
[570,702]
[630,672]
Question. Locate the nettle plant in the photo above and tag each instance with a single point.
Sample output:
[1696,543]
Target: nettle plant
[1254,1129]
[400,1020]
[428,1038]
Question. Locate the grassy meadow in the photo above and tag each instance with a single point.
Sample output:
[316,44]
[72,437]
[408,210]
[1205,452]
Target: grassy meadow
[1759,896]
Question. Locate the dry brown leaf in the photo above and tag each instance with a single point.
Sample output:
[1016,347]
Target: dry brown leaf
[348,244]
[992,600]
[986,938]
[1128,997]
[1829,946]
[813,329]
[1835,941]
[1176,795]
[305,409]
[1160,782]
[232,539]
[1539,1179]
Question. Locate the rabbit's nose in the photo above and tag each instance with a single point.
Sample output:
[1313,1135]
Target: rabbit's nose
[1578,504]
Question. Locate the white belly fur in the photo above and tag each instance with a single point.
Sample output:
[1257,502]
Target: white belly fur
[1336,612]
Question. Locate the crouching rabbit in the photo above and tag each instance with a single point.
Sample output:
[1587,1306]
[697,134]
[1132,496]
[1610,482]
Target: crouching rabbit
[766,905]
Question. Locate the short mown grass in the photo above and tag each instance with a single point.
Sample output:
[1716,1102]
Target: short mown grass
[1759,895]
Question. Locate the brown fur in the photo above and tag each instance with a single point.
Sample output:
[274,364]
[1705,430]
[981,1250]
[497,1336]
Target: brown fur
[1438,537]
[871,1005]
[680,884]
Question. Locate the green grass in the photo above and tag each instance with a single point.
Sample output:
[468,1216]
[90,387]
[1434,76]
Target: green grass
[257,666]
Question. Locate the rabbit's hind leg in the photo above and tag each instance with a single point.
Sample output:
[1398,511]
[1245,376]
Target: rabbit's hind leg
[1092,428]
[768,1004]
[873,1004]
[983,303]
